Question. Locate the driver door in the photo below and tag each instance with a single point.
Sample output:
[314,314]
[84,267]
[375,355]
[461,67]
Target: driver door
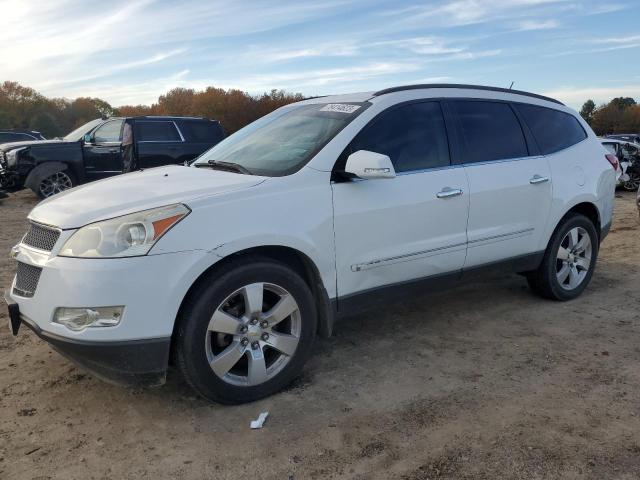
[103,156]
[397,230]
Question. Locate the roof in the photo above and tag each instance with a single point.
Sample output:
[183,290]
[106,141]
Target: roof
[464,87]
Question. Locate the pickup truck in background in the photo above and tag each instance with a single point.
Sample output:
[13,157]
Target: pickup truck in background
[94,151]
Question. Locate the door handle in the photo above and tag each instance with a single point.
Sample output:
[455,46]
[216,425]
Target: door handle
[538,179]
[449,192]
[114,150]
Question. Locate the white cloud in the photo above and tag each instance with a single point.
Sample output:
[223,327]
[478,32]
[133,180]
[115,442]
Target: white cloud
[527,25]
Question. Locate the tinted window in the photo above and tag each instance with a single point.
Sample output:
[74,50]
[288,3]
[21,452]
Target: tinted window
[109,132]
[553,130]
[156,132]
[489,130]
[413,136]
[202,132]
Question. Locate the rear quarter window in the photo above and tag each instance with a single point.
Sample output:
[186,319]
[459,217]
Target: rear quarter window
[201,132]
[553,130]
[156,132]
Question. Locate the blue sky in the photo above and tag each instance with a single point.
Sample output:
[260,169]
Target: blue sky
[132,51]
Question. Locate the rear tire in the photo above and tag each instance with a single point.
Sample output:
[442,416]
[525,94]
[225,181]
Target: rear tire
[254,300]
[569,260]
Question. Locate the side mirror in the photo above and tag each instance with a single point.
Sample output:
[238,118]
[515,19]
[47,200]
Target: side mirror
[87,138]
[370,165]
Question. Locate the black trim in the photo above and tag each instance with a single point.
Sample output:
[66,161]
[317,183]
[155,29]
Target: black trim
[133,363]
[604,231]
[356,302]
[464,87]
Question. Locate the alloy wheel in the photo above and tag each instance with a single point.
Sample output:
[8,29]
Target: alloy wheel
[253,334]
[574,258]
[633,183]
[56,183]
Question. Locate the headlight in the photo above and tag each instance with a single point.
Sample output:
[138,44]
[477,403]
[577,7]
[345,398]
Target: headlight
[77,319]
[128,236]
[12,156]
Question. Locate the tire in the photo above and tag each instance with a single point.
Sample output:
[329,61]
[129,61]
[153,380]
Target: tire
[633,183]
[562,274]
[205,341]
[55,183]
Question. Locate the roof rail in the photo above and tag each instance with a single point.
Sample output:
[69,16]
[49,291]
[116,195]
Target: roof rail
[466,87]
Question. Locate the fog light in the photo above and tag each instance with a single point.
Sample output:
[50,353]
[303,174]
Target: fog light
[78,319]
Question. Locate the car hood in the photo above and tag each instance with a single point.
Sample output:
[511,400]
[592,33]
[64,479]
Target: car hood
[5,147]
[136,191]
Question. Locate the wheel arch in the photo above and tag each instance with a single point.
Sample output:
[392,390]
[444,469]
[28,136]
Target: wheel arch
[289,256]
[42,171]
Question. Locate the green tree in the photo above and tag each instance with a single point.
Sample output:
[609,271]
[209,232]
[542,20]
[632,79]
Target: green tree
[587,111]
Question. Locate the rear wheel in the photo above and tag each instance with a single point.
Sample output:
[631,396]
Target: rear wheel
[55,183]
[568,262]
[633,183]
[246,332]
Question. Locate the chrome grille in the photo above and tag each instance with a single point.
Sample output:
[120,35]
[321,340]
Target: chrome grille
[27,279]
[41,237]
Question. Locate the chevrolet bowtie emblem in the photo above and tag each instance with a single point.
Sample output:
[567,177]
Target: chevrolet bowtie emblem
[14,251]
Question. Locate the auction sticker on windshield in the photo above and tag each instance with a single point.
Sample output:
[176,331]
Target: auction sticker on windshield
[339,107]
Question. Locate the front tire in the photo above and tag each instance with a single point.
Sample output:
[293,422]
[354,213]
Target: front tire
[55,183]
[569,260]
[246,331]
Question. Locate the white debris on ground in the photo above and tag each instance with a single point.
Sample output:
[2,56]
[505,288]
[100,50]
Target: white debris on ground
[259,422]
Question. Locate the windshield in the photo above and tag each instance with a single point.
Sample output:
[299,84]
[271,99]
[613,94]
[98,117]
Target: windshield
[79,132]
[283,141]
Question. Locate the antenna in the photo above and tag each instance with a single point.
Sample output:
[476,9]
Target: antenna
[510,86]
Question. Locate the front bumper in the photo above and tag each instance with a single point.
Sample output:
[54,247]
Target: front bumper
[151,289]
[131,363]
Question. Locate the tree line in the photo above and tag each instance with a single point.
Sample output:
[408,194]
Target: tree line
[25,108]
[620,115]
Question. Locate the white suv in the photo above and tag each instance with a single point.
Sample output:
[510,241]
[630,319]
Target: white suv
[234,264]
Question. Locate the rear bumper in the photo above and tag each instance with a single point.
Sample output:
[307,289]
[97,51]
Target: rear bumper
[131,363]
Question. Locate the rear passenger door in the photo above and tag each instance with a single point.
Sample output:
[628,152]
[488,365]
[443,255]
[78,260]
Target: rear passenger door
[199,135]
[158,142]
[509,182]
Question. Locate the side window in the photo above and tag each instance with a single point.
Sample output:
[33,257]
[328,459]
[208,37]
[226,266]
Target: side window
[156,132]
[554,130]
[413,136]
[201,131]
[6,137]
[23,137]
[489,130]
[108,132]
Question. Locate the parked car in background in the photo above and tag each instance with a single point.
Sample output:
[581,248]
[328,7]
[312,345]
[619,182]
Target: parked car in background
[12,135]
[628,154]
[627,137]
[94,151]
[316,210]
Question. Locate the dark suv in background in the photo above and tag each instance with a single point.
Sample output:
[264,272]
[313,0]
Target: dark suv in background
[13,135]
[94,151]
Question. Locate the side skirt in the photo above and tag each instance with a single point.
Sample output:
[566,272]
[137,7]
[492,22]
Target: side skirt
[360,301]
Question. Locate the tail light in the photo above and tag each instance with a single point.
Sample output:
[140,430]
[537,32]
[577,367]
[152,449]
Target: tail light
[613,160]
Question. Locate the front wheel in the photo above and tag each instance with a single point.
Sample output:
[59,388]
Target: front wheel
[568,262]
[246,331]
[55,183]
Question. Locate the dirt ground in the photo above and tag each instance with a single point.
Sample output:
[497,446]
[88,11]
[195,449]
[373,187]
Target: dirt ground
[485,381]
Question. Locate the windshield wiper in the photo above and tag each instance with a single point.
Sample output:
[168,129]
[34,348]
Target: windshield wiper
[229,167]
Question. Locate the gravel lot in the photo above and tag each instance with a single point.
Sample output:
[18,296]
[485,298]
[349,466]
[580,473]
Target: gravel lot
[484,381]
